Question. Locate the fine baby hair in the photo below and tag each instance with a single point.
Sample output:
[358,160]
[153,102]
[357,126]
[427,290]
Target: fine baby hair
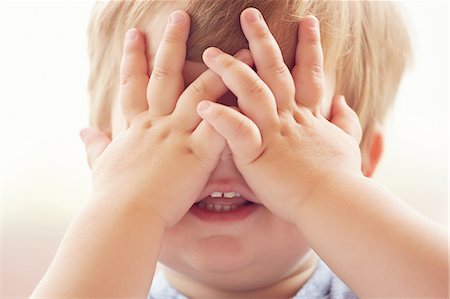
[365,44]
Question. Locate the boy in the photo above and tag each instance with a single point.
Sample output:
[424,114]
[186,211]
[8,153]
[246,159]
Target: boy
[231,194]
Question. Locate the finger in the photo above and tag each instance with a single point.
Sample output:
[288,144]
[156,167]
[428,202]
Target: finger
[346,118]
[207,86]
[95,143]
[166,80]
[133,75]
[255,99]
[207,142]
[308,71]
[268,57]
[242,135]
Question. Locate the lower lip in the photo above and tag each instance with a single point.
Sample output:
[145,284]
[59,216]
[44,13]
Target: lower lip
[230,216]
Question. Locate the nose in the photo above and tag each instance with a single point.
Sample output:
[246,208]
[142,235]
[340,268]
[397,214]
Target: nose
[225,168]
[226,156]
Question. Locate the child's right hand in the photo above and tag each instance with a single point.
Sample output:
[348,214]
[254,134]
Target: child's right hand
[163,159]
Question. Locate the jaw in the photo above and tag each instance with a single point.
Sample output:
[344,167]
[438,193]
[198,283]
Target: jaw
[233,256]
[248,282]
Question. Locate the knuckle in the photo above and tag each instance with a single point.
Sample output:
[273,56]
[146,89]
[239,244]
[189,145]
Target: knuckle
[160,73]
[313,37]
[263,33]
[217,113]
[240,129]
[256,87]
[277,68]
[200,87]
[125,79]
[171,37]
[128,78]
[317,71]
[228,62]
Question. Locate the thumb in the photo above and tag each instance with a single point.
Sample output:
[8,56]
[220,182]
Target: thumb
[345,118]
[95,143]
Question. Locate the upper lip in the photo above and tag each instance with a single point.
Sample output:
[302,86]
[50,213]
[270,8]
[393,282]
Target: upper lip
[228,186]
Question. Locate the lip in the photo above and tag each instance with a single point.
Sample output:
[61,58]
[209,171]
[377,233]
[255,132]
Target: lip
[230,216]
[228,186]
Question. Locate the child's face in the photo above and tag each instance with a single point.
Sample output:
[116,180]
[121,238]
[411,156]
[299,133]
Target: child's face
[246,252]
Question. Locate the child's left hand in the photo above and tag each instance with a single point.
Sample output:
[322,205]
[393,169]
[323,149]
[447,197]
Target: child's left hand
[282,145]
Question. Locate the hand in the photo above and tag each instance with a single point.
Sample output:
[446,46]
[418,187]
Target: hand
[164,157]
[281,144]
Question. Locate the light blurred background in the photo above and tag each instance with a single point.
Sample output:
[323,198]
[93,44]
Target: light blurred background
[44,176]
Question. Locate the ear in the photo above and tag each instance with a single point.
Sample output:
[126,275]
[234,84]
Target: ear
[372,149]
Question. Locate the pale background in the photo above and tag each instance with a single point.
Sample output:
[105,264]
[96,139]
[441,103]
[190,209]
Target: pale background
[45,179]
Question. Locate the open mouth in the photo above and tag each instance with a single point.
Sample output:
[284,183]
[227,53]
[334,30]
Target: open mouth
[226,206]
[223,202]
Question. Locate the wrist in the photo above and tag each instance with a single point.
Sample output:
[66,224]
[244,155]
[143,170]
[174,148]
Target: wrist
[330,188]
[127,208]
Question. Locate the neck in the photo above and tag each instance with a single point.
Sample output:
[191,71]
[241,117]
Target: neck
[286,287]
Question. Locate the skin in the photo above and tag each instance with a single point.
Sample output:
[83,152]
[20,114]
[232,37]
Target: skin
[278,126]
[231,254]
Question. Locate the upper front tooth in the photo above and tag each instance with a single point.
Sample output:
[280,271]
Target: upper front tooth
[231,194]
[216,194]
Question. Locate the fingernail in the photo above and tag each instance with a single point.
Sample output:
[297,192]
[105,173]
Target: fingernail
[176,17]
[314,22]
[131,35]
[203,106]
[213,52]
[253,15]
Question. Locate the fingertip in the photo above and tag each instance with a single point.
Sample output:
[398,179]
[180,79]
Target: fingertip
[178,17]
[132,40]
[131,35]
[251,14]
[202,107]
[82,134]
[85,135]
[210,53]
[310,28]
[311,21]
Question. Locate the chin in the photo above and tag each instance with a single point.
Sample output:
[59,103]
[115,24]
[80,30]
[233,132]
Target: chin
[230,257]
[215,254]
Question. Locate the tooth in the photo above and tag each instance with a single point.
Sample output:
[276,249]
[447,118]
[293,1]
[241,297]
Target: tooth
[226,208]
[234,207]
[217,208]
[216,194]
[230,194]
[209,206]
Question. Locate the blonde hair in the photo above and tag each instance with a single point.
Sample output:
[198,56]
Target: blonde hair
[365,43]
